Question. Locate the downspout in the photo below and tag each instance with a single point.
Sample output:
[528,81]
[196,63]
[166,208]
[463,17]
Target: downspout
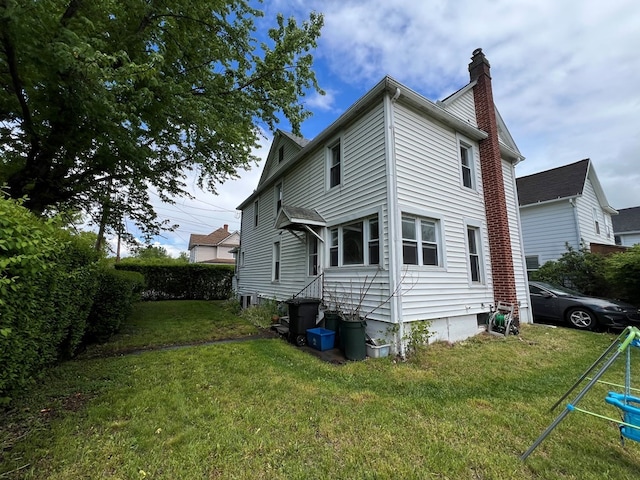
[572,202]
[525,273]
[395,263]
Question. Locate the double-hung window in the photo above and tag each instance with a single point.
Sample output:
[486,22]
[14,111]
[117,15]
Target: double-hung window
[276,262]
[467,170]
[255,213]
[355,243]
[473,246]
[278,195]
[335,165]
[596,220]
[420,241]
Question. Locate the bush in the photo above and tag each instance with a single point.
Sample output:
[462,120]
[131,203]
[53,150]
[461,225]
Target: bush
[183,282]
[116,293]
[577,269]
[46,289]
[623,273]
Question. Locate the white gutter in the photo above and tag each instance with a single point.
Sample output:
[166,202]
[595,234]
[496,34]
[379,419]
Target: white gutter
[395,242]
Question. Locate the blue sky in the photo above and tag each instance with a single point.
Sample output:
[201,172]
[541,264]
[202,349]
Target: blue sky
[565,79]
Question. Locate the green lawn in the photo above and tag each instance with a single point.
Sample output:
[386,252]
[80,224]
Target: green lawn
[266,409]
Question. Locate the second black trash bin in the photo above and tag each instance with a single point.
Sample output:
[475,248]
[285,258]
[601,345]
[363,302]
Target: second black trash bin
[302,316]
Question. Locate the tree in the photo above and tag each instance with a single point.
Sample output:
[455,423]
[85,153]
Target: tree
[579,269]
[152,253]
[101,101]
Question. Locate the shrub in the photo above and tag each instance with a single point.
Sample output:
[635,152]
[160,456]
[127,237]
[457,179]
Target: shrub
[183,281]
[260,315]
[116,293]
[46,287]
[578,269]
[623,272]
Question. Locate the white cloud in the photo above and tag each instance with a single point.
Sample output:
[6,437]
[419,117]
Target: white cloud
[565,73]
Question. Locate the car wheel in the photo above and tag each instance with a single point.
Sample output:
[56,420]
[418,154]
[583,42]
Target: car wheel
[582,318]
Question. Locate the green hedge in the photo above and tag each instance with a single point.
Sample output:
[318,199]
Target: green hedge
[47,282]
[117,292]
[183,282]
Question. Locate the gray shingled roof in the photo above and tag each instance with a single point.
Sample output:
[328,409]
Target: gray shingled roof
[562,182]
[627,220]
[299,140]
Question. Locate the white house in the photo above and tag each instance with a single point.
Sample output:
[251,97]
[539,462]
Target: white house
[403,206]
[564,205]
[216,247]
[626,226]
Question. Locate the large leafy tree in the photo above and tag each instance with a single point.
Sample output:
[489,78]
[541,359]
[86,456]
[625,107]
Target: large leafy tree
[102,100]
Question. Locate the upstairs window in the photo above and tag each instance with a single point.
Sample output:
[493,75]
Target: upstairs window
[278,195]
[280,154]
[596,220]
[467,170]
[335,165]
[255,213]
[420,241]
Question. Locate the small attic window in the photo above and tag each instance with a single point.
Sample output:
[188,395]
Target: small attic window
[280,154]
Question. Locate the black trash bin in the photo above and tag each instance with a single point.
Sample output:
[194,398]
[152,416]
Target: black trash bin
[302,316]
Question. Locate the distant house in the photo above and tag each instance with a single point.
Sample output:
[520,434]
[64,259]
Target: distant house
[564,205]
[402,207]
[217,247]
[626,226]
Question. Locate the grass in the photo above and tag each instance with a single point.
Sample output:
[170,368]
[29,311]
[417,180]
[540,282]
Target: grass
[266,409]
[167,323]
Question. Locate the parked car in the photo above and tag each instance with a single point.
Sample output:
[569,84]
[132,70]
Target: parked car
[551,302]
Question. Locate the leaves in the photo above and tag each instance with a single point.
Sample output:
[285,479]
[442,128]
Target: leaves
[101,100]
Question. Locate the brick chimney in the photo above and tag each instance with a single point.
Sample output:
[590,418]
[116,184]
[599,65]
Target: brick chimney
[504,285]
[226,227]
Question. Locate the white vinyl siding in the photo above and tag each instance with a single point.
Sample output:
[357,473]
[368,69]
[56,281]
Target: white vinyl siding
[428,184]
[590,211]
[517,250]
[362,193]
[547,228]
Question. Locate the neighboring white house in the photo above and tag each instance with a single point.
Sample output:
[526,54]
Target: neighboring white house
[626,226]
[564,205]
[399,195]
[217,247]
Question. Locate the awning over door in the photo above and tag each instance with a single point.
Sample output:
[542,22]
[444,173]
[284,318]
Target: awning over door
[301,219]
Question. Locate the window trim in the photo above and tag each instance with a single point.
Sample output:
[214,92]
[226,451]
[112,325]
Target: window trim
[331,146]
[281,154]
[468,145]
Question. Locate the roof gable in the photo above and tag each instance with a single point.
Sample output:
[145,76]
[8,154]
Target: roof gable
[627,220]
[462,104]
[281,139]
[561,182]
